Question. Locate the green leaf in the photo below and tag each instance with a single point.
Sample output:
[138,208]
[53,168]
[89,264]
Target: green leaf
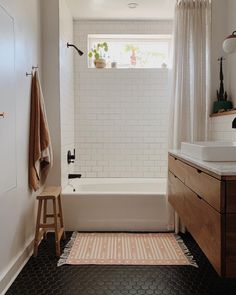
[97,56]
[90,54]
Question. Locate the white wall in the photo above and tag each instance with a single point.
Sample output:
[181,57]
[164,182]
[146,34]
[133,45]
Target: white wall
[18,206]
[231,26]
[221,128]
[51,81]
[219,31]
[121,115]
[224,23]
[66,89]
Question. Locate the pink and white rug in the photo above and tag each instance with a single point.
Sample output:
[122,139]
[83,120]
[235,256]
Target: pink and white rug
[126,249]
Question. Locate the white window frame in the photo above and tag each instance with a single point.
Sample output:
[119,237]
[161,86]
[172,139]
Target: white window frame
[96,38]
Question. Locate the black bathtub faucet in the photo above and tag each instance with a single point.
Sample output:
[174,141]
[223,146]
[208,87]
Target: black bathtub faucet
[73,176]
[70,157]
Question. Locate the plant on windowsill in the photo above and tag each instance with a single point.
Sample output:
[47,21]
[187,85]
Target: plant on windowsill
[99,53]
[133,50]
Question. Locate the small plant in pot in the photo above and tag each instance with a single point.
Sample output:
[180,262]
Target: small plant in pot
[133,50]
[99,53]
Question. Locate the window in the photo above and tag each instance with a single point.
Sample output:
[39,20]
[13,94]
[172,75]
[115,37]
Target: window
[133,51]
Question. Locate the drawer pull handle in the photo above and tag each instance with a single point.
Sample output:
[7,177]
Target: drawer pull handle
[199,171]
[175,159]
[200,198]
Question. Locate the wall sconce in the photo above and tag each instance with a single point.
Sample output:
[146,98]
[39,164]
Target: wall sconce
[229,44]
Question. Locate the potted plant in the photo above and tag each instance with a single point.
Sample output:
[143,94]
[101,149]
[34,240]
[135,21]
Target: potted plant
[99,53]
[134,50]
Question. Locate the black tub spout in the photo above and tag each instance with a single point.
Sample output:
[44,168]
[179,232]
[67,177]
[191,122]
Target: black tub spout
[73,176]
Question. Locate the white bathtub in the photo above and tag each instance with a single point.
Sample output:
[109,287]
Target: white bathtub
[117,204]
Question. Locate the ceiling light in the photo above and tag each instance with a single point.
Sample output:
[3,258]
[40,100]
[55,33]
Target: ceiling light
[229,44]
[133,5]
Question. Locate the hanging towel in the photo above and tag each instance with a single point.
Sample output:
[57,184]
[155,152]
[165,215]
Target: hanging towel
[40,149]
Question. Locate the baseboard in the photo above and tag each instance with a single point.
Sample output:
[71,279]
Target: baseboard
[16,267]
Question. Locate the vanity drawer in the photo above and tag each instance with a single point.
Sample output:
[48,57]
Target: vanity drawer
[200,219]
[175,197]
[231,196]
[177,167]
[230,245]
[207,187]
[204,185]
[204,223]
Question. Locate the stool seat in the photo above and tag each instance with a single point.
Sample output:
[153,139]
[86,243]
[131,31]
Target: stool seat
[49,194]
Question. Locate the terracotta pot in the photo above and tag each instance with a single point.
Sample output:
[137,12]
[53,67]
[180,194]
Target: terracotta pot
[100,63]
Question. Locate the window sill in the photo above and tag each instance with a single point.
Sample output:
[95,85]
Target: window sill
[118,69]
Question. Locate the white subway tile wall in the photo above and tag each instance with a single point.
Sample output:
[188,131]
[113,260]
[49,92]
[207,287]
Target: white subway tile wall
[121,115]
[221,128]
[66,91]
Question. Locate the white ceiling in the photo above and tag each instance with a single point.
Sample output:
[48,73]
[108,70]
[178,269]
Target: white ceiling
[118,9]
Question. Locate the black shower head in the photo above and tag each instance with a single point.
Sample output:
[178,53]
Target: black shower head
[72,45]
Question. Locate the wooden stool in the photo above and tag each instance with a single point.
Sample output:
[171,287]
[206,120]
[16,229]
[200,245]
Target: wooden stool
[54,194]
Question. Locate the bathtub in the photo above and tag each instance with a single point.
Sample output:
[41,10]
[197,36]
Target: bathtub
[117,204]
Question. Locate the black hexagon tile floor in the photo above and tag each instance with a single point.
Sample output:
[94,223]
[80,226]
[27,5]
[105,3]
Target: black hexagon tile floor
[41,276]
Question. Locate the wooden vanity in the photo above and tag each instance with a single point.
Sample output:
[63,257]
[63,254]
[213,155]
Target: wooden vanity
[206,203]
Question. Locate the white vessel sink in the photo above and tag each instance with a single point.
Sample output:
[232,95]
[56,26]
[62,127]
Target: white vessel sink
[212,151]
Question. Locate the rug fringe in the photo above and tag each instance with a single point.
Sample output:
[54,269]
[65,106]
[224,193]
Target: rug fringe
[67,249]
[186,251]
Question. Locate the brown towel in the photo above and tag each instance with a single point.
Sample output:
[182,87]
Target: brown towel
[40,151]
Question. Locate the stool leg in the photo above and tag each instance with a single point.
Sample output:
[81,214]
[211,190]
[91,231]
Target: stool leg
[61,217]
[45,215]
[36,239]
[57,238]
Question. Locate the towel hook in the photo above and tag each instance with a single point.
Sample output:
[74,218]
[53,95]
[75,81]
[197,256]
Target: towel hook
[29,74]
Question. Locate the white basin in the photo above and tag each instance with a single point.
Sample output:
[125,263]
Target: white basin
[212,151]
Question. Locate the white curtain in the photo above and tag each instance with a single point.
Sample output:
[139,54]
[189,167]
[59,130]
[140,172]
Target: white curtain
[190,99]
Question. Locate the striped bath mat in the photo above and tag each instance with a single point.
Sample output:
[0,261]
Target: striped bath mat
[126,249]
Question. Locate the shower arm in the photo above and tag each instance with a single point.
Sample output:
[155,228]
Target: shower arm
[76,48]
